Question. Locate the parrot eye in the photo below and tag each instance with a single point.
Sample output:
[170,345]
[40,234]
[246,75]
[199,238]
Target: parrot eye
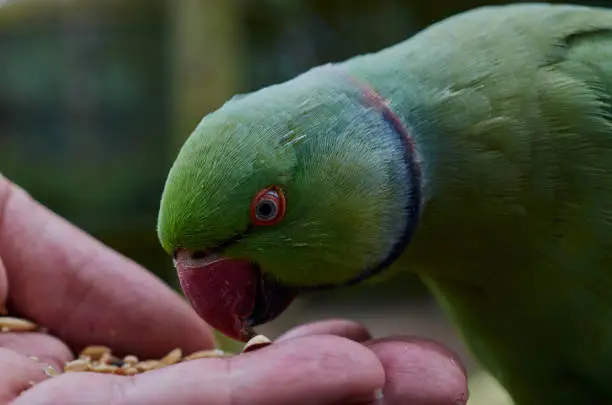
[268,206]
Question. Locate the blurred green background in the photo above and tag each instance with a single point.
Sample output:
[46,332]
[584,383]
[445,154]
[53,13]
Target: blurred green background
[96,97]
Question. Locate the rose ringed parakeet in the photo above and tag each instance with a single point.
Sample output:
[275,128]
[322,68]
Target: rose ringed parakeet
[476,154]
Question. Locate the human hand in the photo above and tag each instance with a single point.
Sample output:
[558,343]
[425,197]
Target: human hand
[85,293]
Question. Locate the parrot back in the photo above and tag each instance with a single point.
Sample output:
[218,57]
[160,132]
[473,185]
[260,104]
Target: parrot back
[514,122]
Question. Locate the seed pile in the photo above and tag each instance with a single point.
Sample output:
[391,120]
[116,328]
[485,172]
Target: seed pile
[100,359]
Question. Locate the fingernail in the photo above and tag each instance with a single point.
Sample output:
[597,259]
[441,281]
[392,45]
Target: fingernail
[378,394]
[48,369]
[462,401]
[375,398]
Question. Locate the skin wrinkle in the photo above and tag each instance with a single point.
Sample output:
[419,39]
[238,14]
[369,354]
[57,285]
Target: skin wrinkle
[118,390]
[230,392]
[92,324]
[79,265]
[83,290]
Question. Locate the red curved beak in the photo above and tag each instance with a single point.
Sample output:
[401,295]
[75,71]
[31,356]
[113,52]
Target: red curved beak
[231,295]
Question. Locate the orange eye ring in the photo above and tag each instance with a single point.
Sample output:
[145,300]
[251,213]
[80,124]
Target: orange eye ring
[268,206]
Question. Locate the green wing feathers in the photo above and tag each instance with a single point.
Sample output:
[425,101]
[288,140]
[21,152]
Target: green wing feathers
[535,154]
[514,118]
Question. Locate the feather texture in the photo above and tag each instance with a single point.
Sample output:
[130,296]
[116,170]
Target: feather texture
[511,111]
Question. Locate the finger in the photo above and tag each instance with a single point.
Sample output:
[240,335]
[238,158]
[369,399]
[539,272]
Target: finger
[420,372]
[339,327]
[84,292]
[314,370]
[45,348]
[18,374]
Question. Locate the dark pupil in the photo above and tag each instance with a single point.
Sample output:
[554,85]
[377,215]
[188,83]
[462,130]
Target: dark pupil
[266,209]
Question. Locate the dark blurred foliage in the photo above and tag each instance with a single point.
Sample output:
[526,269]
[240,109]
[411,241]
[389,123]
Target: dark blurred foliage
[96,96]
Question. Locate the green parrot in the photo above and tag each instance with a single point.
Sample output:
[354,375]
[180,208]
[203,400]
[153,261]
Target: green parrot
[476,154]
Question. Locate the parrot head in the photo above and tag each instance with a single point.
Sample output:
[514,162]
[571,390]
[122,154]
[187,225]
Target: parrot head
[306,185]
